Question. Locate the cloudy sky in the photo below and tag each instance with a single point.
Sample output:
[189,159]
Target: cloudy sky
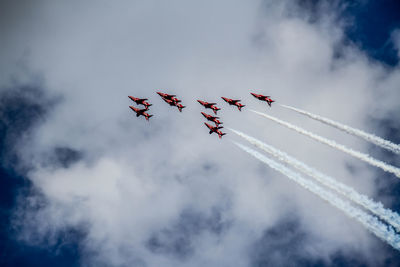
[83,182]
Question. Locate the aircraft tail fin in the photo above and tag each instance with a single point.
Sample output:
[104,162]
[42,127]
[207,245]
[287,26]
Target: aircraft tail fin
[215,110]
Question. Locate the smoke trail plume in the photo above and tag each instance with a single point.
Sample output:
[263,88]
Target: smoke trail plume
[375,226]
[356,132]
[362,156]
[377,208]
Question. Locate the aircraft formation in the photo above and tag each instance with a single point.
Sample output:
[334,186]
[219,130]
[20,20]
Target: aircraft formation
[382,222]
[216,128]
[141,112]
[173,101]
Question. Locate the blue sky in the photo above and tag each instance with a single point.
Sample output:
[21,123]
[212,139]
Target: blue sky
[34,114]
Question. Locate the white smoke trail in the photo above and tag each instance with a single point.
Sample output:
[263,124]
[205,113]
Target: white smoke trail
[364,157]
[377,208]
[381,230]
[356,132]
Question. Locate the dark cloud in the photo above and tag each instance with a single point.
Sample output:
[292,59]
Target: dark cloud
[22,108]
[316,9]
[348,260]
[282,245]
[287,244]
[388,186]
[65,252]
[178,240]
[65,156]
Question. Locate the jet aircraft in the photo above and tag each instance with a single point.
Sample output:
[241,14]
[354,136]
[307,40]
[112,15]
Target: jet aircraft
[169,97]
[212,118]
[166,96]
[140,101]
[233,102]
[265,98]
[176,100]
[172,100]
[209,105]
[141,112]
[180,107]
[215,129]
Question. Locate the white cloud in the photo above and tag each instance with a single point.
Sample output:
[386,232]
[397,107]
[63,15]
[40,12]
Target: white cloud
[138,177]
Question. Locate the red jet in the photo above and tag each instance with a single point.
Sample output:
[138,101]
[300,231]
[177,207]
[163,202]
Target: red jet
[212,118]
[176,100]
[141,112]
[169,97]
[209,105]
[233,102]
[172,101]
[166,96]
[140,101]
[180,107]
[215,129]
[263,98]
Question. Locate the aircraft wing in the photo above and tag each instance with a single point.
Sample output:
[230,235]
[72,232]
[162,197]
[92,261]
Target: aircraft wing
[208,125]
